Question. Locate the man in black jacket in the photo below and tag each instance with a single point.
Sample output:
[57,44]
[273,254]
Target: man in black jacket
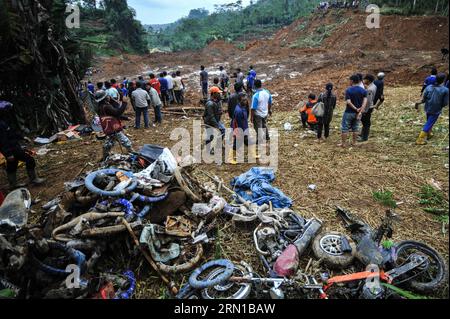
[13,151]
[213,114]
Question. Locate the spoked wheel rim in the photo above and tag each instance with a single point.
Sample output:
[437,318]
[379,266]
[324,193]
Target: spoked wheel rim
[227,290]
[332,245]
[427,272]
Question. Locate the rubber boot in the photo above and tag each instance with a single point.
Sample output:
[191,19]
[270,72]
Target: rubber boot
[34,179]
[232,157]
[422,138]
[253,153]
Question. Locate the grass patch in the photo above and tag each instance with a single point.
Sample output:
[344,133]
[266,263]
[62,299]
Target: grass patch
[434,202]
[302,26]
[315,39]
[240,46]
[432,198]
[386,198]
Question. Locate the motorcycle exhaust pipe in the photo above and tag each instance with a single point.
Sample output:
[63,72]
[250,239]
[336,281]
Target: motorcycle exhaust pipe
[313,227]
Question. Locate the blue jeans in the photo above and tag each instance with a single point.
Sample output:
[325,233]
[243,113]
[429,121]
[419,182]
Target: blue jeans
[139,112]
[350,123]
[158,115]
[431,120]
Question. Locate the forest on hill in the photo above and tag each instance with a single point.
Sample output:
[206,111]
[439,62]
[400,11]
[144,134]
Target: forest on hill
[233,21]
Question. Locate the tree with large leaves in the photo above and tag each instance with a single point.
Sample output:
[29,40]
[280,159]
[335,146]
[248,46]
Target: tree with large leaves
[40,65]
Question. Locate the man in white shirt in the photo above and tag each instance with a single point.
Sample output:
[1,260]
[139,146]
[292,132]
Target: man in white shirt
[157,104]
[223,78]
[366,119]
[170,83]
[112,92]
[141,101]
[261,109]
[178,88]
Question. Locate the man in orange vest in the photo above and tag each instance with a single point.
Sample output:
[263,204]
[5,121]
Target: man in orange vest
[307,114]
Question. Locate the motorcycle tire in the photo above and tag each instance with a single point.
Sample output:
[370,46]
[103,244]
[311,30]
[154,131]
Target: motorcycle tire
[326,247]
[197,283]
[235,291]
[439,278]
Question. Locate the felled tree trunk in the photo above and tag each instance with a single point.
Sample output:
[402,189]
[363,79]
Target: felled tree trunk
[35,73]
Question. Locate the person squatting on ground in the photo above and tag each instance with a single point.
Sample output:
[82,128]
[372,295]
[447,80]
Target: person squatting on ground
[141,100]
[329,100]
[13,151]
[212,117]
[261,110]
[366,118]
[435,98]
[110,113]
[204,82]
[240,128]
[356,99]
[306,113]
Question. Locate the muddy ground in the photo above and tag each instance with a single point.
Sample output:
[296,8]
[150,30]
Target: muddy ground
[345,177]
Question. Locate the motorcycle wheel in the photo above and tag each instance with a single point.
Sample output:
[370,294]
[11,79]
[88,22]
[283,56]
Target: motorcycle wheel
[227,290]
[430,277]
[327,247]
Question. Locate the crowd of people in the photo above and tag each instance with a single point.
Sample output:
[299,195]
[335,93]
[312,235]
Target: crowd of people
[247,102]
[363,96]
[240,110]
[326,5]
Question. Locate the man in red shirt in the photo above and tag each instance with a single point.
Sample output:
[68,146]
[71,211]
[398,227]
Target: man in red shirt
[154,83]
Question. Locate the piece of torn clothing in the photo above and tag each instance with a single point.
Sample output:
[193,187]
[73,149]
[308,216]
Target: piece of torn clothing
[256,186]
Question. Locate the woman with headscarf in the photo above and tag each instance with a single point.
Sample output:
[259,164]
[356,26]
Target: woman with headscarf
[328,98]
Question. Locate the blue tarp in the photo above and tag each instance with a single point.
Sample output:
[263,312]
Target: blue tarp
[256,186]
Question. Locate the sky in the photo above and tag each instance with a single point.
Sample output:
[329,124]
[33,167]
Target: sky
[163,11]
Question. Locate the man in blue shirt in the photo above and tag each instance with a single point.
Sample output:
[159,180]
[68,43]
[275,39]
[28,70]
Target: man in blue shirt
[91,87]
[430,80]
[240,128]
[251,80]
[435,98]
[356,98]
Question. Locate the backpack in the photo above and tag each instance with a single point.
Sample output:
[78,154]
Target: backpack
[319,109]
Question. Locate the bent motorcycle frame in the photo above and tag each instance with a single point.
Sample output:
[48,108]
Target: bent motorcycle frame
[388,277]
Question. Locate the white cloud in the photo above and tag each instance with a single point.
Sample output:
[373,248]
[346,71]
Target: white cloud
[160,11]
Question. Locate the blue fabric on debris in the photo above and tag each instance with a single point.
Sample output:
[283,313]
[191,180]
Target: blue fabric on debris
[256,186]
